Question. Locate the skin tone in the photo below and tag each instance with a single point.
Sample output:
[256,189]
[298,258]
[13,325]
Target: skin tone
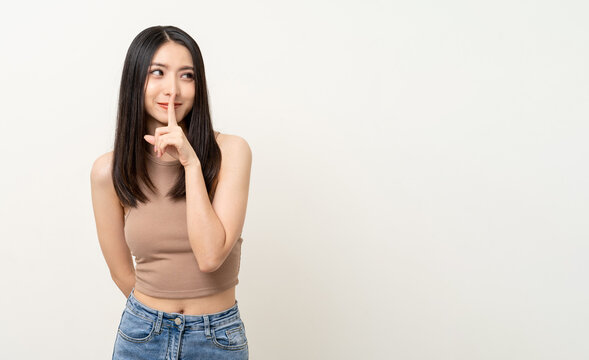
[170,82]
[213,227]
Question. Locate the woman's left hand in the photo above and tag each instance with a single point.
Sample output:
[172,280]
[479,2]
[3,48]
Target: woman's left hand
[171,139]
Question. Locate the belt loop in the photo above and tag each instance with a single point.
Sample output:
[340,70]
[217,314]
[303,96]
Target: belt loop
[158,323]
[207,326]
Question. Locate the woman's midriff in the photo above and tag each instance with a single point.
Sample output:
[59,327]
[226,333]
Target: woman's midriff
[190,306]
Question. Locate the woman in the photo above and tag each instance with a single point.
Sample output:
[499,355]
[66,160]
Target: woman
[173,193]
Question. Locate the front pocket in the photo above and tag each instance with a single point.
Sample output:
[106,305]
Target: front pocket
[135,328]
[230,336]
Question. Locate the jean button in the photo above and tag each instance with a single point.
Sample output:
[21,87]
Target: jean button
[178,321]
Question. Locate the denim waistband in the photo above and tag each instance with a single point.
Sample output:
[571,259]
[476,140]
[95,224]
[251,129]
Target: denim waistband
[187,321]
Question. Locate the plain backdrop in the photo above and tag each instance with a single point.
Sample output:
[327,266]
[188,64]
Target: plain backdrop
[419,177]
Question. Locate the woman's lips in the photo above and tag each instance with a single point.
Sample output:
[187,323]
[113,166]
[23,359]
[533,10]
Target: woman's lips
[165,105]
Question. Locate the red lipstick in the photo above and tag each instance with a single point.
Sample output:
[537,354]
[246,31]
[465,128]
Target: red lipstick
[165,105]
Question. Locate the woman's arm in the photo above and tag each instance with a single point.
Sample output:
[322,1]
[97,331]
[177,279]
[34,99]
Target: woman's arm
[109,217]
[214,228]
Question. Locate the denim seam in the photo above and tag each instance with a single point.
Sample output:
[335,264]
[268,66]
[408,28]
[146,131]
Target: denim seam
[139,315]
[224,321]
[215,324]
[231,331]
[128,338]
[135,340]
[169,337]
[181,343]
[228,347]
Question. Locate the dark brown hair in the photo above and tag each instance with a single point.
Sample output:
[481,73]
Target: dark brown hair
[129,155]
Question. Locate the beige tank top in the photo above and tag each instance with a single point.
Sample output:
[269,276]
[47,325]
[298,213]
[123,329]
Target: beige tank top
[157,236]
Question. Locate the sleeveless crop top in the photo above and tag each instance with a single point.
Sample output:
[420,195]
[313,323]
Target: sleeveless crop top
[157,235]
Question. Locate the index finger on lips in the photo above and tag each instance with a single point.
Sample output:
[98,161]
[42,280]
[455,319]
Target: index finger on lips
[171,111]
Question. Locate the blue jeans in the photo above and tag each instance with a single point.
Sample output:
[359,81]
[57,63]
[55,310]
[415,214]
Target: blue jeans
[146,333]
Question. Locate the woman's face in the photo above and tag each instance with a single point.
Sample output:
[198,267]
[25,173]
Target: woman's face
[171,70]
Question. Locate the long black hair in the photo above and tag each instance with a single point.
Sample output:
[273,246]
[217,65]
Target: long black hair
[129,155]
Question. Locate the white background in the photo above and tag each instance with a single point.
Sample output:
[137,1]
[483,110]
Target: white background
[419,178]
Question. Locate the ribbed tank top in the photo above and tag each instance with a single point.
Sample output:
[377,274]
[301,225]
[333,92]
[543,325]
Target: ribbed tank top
[157,235]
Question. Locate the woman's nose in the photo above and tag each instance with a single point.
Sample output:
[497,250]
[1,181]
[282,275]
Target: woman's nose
[172,87]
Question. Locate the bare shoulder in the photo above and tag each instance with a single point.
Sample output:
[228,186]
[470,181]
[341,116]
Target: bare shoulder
[236,157]
[101,170]
[101,179]
[233,144]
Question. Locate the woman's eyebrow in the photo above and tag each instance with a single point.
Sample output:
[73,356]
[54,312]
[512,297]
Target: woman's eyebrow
[165,66]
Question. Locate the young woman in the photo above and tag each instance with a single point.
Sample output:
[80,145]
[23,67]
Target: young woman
[173,193]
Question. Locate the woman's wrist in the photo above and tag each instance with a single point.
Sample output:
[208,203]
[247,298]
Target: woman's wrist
[195,164]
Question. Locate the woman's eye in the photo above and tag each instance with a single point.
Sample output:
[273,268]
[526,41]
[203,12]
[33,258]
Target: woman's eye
[190,75]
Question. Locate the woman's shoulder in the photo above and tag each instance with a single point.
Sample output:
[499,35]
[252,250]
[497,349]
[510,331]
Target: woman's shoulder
[231,141]
[235,151]
[102,169]
[101,177]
